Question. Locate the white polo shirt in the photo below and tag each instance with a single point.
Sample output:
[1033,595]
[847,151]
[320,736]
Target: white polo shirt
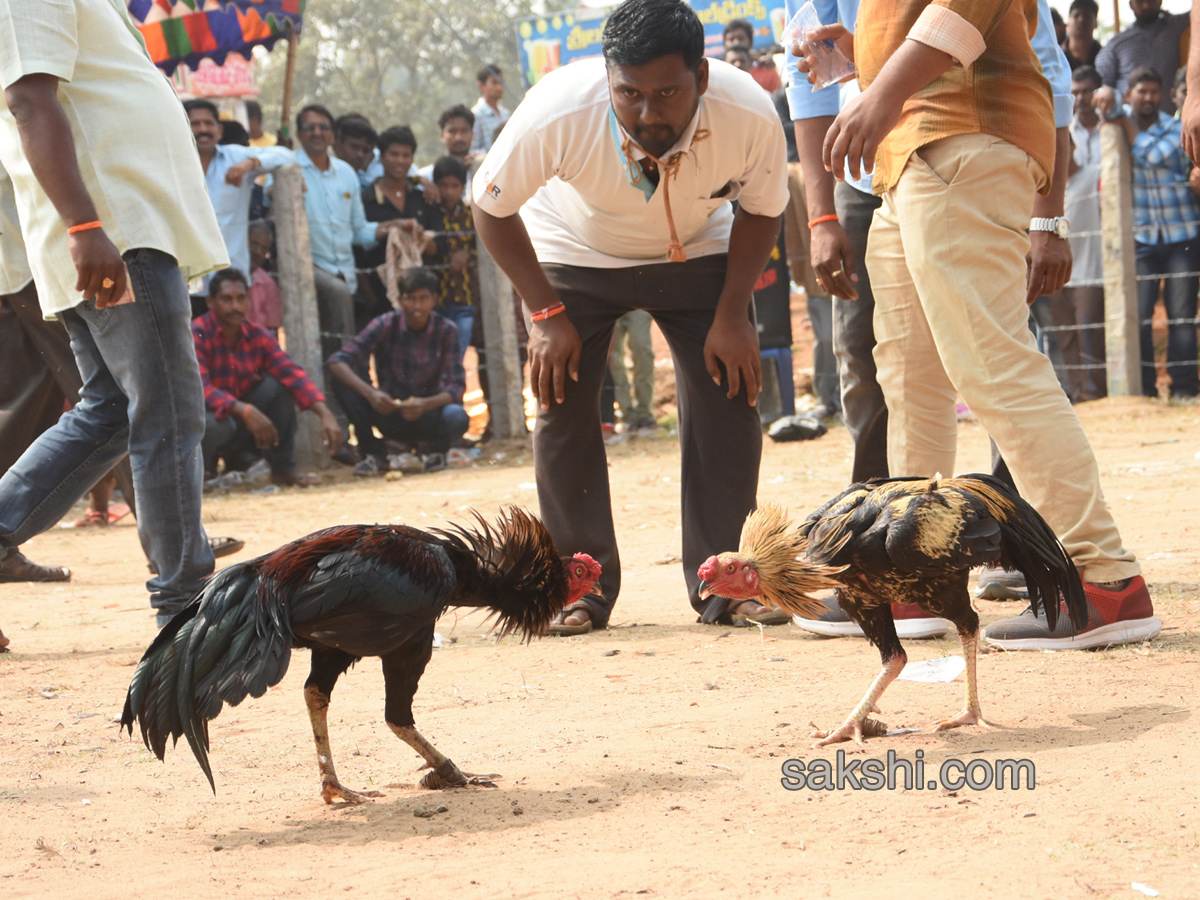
[132,141]
[559,163]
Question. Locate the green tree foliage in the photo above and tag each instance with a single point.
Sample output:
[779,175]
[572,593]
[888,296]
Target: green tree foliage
[398,62]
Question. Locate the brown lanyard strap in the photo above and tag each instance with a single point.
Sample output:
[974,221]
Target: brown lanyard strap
[667,169]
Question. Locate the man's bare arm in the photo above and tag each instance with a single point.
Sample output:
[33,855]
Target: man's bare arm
[1191,106]
[829,246]
[50,148]
[1049,260]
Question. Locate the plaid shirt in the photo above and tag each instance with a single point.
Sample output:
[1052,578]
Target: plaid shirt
[408,363]
[1164,208]
[229,373]
[462,287]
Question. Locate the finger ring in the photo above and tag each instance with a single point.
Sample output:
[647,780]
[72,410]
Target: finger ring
[835,274]
[107,284]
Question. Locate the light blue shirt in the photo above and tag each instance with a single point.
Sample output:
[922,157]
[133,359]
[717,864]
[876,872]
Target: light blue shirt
[805,103]
[336,220]
[232,204]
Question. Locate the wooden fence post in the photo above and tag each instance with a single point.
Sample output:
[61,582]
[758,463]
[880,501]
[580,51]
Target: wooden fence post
[301,325]
[1121,326]
[506,381]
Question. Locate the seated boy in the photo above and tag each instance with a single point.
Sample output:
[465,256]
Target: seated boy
[456,249]
[266,307]
[251,388]
[421,380]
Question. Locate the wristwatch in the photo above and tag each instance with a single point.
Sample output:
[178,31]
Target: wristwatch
[1058,226]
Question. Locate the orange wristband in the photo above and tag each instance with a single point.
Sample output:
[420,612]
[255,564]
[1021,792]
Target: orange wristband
[86,226]
[832,217]
[552,310]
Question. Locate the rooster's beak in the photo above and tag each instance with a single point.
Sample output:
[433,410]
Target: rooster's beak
[705,590]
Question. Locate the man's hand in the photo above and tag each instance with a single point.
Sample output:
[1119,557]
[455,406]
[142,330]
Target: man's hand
[412,408]
[382,403]
[1048,265]
[235,173]
[554,351]
[432,194]
[806,60]
[98,263]
[1191,126]
[857,132]
[833,260]
[734,344]
[459,259]
[1104,101]
[260,427]
[331,433]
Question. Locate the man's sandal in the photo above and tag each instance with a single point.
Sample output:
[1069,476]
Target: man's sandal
[15,567]
[560,627]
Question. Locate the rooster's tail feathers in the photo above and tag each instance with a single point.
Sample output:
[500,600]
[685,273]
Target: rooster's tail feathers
[223,647]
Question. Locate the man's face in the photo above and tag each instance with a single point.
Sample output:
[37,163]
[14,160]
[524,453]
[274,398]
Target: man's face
[738,38]
[1145,11]
[397,160]
[417,307]
[450,191]
[205,129]
[1081,23]
[456,137]
[316,134]
[259,241]
[1144,98]
[356,151]
[229,304]
[1082,92]
[739,58]
[655,102]
[491,90]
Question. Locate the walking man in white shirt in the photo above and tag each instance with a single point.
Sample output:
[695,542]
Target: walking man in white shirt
[608,191]
[95,226]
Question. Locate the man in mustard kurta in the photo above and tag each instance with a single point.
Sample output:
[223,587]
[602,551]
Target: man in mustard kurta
[957,120]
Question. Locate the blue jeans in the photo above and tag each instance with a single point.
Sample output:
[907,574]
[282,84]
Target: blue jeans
[1179,294]
[438,428]
[464,318]
[141,392]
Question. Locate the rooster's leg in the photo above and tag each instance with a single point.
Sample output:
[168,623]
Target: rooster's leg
[326,667]
[880,629]
[402,670]
[970,714]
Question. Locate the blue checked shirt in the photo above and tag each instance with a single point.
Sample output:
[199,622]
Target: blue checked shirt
[1164,207]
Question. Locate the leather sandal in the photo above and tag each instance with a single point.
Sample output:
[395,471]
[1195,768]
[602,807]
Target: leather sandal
[15,567]
[560,627]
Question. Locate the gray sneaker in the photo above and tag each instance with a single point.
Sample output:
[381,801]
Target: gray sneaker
[1001,584]
[911,621]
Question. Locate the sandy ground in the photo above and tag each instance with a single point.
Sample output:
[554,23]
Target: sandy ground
[645,760]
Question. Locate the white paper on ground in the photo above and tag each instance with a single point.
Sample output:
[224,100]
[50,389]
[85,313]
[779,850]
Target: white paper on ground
[931,671]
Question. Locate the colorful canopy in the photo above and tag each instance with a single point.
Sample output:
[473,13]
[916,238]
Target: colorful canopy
[187,31]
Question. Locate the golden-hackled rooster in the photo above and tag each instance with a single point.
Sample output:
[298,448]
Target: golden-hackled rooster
[899,540]
[345,593]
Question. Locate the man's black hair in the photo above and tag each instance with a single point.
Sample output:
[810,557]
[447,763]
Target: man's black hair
[420,277]
[458,111]
[189,105]
[235,133]
[1056,18]
[487,71]
[253,110]
[449,166]
[224,275]
[313,108]
[641,31]
[1144,73]
[741,25]
[1088,5]
[354,125]
[1087,73]
[397,134]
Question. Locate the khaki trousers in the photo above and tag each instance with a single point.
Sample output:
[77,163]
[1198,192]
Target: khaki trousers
[947,261]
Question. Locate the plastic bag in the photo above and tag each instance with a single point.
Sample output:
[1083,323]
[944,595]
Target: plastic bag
[831,65]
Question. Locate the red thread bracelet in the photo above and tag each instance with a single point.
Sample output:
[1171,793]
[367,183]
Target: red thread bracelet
[86,226]
[832,217]
[546,312]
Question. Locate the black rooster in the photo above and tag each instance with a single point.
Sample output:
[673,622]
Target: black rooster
[899,540]
[345,593]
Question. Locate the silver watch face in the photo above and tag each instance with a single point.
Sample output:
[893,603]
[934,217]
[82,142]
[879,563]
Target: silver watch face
[1062,227]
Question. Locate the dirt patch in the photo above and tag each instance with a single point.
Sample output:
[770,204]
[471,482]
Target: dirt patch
[654,771]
